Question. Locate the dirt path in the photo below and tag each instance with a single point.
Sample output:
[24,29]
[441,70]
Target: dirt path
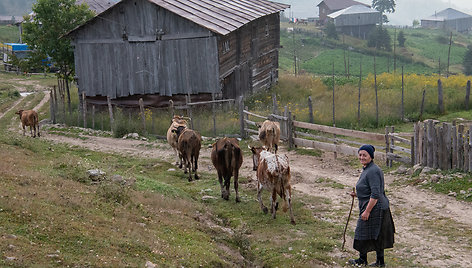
[419,215]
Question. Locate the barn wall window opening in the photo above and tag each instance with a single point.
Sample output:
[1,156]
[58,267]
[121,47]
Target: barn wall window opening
[267,29]
[226,46]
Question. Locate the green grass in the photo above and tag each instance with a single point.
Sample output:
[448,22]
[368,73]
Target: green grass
[9,34]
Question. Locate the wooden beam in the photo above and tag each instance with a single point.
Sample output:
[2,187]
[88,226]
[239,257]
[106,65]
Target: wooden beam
[340,131]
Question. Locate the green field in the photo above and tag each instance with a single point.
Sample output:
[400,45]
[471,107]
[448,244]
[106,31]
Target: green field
[9,34]
[423,50]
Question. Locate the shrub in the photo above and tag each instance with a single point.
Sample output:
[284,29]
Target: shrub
[113,192]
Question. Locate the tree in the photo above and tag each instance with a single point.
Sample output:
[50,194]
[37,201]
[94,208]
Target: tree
[331,31]
[467,62]
[384,6]
[379,38]
[401,39]
[416,23]
[44,32]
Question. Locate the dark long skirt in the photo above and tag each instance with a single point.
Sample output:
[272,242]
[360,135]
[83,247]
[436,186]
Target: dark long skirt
[385,239]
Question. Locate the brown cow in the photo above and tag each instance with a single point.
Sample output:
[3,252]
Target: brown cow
[227,159]
[269,134]
[189,143]
[273,174]
[172,136]
[29,118]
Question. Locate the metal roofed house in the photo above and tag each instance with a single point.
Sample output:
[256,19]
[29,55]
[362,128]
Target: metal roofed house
[165,49]
[450,19]
[356,20]
[327,7]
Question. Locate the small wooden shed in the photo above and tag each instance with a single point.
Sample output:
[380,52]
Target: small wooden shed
[165,49]
[327,7]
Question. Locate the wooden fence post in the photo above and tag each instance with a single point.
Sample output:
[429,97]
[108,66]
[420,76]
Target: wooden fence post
[274,104]
[422,105]
[143,116]
[241,117]
[171,107]
[189,109]
[392,143]
[466,150]
[285,130]
[213,109]
[84,109]
[454,147]
[424,141]
[429,147]
[460,147]
[417,143]
[448,144]
[110,112]
[403,105]
[310,110]
[440,97]
[290,130]
[413,151]
[470,149]
[387,146]
[52,106]
[467,95]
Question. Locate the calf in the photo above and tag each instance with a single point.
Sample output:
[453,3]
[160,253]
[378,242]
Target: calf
[189,143]
[269,134]
[273,174]
[227,158]
[177,121]
[29,118]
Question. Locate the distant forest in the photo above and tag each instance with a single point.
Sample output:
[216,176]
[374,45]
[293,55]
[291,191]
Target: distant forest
[15,7]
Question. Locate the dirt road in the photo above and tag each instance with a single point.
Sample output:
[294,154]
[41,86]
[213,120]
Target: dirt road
[428,225]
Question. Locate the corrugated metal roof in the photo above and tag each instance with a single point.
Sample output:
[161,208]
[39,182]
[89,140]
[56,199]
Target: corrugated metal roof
[357,9]
[98,6]
[341,4]
[448,14]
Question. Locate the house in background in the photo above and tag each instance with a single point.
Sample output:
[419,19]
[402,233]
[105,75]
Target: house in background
[166,49]
[449,19]
[327,7]
[356,20]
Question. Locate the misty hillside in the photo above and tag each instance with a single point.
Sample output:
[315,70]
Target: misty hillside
[15,7]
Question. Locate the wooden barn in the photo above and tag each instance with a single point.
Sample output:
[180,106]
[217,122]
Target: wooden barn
[356,20]
[166,49]
[449,19]
[327,7]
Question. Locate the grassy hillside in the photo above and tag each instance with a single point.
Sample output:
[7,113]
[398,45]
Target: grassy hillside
[422,51]
[9,34]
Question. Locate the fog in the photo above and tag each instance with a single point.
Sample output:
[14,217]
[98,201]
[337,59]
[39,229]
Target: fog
[405,11]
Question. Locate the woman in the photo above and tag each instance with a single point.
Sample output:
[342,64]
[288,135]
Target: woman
[375,228]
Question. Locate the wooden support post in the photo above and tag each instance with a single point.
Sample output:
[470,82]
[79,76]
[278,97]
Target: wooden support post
[93,116]
[416,146]
[143,116]
[310,110]
[440,97]
[466,150]
[171,107]
[84,109]
[110,112]
[241,117]
[448,144]
[412,151]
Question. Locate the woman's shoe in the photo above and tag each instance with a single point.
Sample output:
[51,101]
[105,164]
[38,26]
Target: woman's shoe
[358,262]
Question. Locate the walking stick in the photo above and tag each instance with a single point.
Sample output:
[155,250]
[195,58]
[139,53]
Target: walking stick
[345,227]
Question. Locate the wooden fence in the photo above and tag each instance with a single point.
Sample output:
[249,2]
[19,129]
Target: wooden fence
[445,146]
[332,139]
